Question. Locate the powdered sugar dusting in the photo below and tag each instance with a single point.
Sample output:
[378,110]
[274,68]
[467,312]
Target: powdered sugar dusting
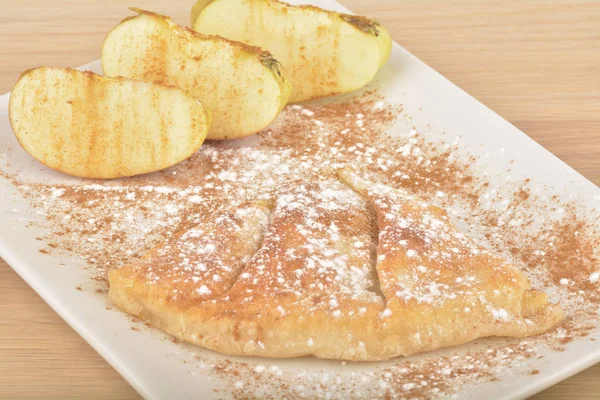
[288,170]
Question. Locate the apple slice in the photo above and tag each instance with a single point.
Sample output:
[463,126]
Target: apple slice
[323,52]
[91,126]
[243,85]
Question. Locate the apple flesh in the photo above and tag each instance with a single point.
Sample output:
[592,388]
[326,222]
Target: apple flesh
[323,52]
[243,85]
[92,126]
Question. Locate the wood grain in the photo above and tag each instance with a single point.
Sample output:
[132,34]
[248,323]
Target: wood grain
[536,63]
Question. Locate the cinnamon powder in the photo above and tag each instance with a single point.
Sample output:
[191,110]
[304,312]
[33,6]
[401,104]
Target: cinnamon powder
[106,224]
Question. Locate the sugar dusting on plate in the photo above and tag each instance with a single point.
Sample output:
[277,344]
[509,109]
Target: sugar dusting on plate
[110,223]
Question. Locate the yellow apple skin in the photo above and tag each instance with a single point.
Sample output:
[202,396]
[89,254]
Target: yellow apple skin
[92,126]
[243,85]
[323,52]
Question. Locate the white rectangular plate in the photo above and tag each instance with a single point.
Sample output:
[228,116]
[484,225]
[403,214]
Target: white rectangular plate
[153,365]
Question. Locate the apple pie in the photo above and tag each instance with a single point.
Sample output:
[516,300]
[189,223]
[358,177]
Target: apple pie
[341,268]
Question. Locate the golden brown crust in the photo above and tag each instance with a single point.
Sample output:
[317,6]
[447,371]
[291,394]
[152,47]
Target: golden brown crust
[366,276]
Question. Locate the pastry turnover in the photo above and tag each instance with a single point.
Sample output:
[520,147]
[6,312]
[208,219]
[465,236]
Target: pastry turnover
[343,269]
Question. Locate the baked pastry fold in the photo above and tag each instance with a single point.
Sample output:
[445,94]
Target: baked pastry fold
[342,269]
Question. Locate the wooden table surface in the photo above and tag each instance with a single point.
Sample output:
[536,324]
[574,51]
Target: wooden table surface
[536,63]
